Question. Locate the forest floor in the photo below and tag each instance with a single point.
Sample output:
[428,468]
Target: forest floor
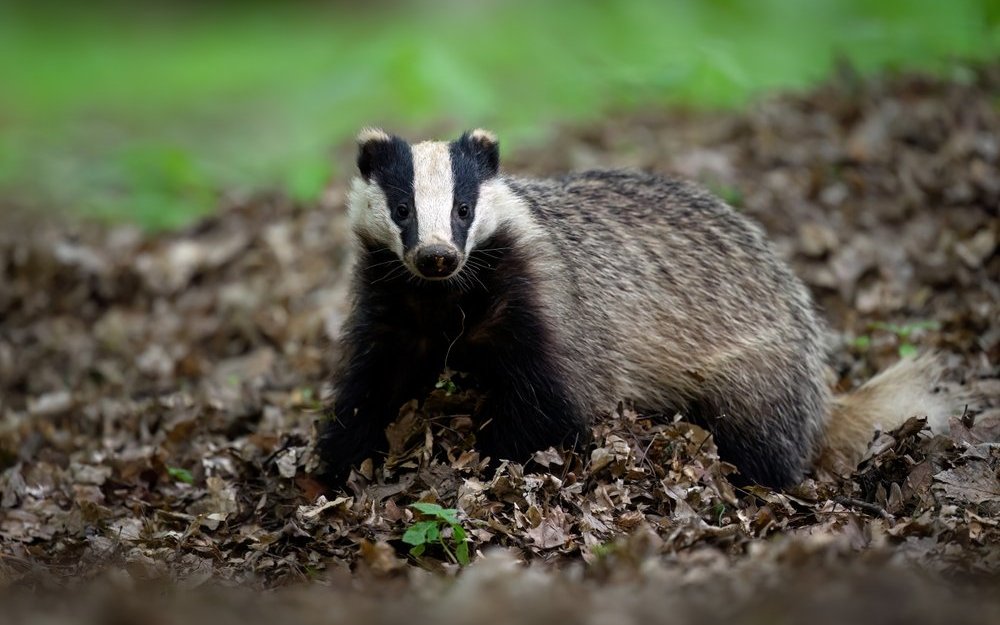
[158,395]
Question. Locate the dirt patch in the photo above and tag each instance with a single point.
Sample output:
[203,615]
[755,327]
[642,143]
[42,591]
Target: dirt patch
[158,395]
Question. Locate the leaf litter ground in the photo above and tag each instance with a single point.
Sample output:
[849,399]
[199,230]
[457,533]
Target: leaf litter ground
[158,394]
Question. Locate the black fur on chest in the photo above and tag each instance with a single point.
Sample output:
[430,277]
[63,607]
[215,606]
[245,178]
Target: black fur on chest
[458,322]
[489,321]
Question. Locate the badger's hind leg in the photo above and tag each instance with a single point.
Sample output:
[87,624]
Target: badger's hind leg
[768,428]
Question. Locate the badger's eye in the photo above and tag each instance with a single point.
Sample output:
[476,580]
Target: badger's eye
[462,210]
[402,210]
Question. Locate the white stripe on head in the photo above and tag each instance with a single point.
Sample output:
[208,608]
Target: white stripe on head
[433,191]
[369,215]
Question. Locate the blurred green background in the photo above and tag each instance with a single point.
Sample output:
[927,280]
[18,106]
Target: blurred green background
[149,113]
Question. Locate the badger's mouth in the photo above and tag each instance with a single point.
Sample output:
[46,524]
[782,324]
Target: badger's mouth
[435,262]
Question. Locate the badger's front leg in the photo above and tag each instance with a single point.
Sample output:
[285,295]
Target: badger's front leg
[528,405]
[515,422]
[378,377]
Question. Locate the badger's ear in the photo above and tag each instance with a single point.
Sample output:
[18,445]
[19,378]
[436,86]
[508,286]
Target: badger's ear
[484,147]
[374,146]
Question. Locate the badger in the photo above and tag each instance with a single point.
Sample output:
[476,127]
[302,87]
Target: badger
[563,297]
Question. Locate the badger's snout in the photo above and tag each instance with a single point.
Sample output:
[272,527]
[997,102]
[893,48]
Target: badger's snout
[436,261]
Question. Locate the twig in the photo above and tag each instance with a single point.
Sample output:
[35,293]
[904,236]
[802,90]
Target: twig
[870,508]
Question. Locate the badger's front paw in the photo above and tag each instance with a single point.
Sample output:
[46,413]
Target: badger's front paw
[339,449]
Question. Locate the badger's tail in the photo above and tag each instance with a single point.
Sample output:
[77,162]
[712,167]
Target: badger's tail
[909,388]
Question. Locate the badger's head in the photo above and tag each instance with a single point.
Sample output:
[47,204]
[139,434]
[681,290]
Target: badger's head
[425,201]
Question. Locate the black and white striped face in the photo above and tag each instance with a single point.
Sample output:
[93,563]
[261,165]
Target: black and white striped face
[424,201]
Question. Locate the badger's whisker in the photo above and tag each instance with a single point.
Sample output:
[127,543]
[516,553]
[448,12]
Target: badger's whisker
[392,273]
[463,282]
[385,262]
[477,279]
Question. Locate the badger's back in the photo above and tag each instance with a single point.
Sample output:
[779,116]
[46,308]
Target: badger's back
[661,266]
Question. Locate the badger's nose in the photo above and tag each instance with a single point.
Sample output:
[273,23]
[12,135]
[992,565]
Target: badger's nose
[436,261]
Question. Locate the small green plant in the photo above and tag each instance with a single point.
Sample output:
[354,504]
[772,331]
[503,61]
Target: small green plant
[431,531]
[447,384]
[309,400]
[181,475]
[862,342]
[732,195]
[718,511]
[603,550]
[903,332]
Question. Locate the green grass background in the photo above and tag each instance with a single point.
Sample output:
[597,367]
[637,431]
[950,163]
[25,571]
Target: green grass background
[150,114]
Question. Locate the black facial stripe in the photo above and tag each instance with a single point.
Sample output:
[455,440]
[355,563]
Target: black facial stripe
[392,170]
[466,179]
